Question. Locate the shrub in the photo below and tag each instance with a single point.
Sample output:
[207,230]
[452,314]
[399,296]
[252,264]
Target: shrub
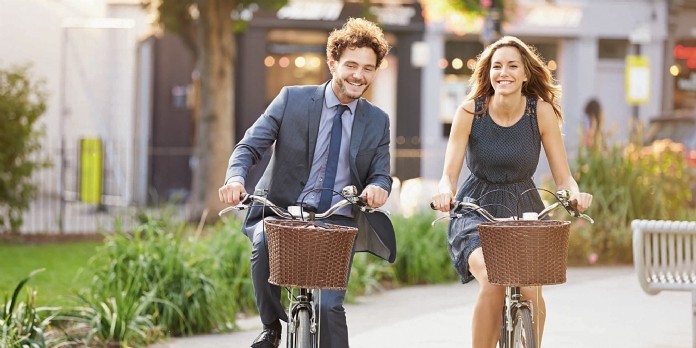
[231,252]
[627,183]
[167,270]
[121,318]
[422,256]
[22,324]
[22,102]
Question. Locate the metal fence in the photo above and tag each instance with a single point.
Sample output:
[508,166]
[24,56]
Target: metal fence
[48,215]
[57,207]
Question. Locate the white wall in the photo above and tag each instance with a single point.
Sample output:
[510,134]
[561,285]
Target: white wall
[91,71]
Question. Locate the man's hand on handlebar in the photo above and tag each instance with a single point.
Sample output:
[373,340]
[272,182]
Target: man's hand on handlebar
[232,193]
[374,196]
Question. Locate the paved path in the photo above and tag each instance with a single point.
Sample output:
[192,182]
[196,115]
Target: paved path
[598,307]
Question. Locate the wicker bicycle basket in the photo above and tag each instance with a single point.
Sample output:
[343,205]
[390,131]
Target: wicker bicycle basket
[525,252]
[303,254]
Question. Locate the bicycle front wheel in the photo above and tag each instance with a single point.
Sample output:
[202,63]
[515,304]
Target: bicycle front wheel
[503,329]
[523,329]
[302,330]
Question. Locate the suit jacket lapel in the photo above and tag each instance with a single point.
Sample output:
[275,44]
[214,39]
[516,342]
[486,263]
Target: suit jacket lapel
[314,115]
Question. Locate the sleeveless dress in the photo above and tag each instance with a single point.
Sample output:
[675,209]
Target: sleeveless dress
[502,161]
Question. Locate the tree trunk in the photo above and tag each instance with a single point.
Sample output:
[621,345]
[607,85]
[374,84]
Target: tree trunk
[215,128]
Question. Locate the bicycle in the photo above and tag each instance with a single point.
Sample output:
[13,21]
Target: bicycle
[501,241]
[304,270]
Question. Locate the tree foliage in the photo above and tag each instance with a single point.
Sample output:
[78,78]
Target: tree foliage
[22,102]
[505,8]
[480,6]
[206,27]
[178,17]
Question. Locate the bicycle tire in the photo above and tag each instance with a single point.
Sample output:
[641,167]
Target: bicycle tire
[302,333]
[523,328]
[503,329]
[316,332]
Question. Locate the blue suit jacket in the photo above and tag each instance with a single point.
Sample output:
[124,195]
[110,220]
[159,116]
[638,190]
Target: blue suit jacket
[290,124]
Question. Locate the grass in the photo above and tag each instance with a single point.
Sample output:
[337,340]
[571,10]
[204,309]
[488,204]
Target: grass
[61,262]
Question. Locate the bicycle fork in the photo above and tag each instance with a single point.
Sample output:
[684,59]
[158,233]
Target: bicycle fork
[513,301]
[303,323]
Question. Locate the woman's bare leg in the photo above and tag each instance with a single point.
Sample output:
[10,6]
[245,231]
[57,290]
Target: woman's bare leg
[488,307]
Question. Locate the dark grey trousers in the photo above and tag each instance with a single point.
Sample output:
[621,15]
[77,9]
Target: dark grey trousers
[334,330]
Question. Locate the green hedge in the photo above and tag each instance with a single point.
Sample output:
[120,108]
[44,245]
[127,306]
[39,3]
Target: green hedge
[628,182]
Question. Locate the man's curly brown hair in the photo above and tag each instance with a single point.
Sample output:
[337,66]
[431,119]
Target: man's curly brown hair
[357,33]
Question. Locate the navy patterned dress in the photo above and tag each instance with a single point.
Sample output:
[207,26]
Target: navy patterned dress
[502,161]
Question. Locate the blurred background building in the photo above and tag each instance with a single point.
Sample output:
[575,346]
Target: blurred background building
[112,77]
[585,44]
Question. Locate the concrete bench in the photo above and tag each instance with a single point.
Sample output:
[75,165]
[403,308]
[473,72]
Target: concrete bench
[664,256]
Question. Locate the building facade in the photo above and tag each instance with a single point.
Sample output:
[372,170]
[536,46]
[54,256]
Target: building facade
[680,59]
[585,43]
[105,80]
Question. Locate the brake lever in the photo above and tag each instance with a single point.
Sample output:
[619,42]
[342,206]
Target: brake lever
[572,208]
[230,208]
[241,206]
[586,217]
[368,209]
[442,218]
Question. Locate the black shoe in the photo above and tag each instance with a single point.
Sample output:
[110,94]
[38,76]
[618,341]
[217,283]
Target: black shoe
[269,338]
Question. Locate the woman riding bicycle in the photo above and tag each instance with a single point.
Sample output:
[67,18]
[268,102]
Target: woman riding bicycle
[313,129]
[510,112]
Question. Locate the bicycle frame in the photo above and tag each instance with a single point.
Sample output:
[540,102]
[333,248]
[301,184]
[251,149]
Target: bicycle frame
[303,327]
[517,316]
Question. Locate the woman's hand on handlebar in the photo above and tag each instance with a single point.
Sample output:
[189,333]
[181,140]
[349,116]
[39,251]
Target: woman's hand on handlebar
[442,201]
[583,199]
[232,193]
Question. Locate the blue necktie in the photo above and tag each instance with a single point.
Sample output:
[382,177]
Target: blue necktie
[332,160]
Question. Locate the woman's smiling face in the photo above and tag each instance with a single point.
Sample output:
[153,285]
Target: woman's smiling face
[507,70]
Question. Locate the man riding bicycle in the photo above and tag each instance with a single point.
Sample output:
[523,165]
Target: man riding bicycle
[324,138]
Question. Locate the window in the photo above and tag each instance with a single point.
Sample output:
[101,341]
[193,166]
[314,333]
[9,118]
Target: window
[294,57]
[613,49]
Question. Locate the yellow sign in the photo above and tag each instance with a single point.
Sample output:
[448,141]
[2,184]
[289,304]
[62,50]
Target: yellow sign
[637,80]
[91,163]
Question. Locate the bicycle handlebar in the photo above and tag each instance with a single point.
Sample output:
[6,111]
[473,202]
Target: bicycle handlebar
[562,197]
[349,194]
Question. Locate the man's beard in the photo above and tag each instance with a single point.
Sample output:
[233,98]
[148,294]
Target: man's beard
[344,89]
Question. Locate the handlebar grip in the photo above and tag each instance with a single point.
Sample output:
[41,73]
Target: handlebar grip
[453,204]
[573,205]
[361,200]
